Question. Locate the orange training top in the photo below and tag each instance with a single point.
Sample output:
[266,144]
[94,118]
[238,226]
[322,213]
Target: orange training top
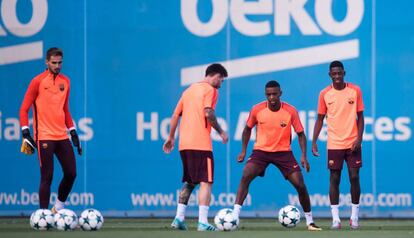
[340,108]
[194,127]
[50,100]
[273,129]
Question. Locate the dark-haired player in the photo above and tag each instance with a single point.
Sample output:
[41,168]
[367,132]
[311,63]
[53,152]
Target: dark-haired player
[274,120]
[196,110]
[341,103]
[48,94]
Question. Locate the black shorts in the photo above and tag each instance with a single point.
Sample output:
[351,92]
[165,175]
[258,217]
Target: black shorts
[283,160]
[336,159]
[198,166]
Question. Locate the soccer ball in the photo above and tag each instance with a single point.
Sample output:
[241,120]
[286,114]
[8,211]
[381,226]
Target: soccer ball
[91,220]
[66,220]
[41,219]
[225,221]
[289,216]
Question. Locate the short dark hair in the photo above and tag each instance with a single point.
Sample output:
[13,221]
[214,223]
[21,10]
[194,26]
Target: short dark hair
[216,69]
[54,51]
[272,84]
[336,63]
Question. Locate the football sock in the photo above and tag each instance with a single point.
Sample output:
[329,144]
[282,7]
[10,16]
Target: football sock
[335,212]
[202,214]
[59,205]
[309,218]
[236,210]
[354,212]
[181,211]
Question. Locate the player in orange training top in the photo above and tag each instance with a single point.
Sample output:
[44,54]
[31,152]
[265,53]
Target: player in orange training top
[274,120]
[48,95]
[341,103]
[196,109]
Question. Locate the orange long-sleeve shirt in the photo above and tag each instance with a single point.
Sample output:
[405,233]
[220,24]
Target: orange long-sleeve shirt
[49,97]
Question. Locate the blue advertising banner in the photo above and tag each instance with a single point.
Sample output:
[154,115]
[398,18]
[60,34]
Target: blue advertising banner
[130,61]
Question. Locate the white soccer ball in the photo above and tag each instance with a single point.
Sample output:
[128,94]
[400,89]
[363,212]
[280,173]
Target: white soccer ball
[65,220]
[41,219]
[91,220]
[289,216]
[225,221]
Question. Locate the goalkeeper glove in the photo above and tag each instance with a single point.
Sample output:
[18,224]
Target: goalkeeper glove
[75,141]
[28,144]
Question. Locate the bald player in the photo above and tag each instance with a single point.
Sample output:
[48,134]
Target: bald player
[341,103]
[274,120]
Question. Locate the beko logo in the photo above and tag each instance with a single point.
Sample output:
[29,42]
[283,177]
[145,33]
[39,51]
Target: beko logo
[275,17]
[10,25]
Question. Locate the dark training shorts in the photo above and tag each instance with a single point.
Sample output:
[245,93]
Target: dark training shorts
[284,160]
[198,166]
[336,159]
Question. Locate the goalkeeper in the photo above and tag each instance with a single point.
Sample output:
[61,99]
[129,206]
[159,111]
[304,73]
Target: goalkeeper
[48,93]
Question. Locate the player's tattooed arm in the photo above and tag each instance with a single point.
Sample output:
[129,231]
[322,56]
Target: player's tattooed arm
[185,193]
[211,118]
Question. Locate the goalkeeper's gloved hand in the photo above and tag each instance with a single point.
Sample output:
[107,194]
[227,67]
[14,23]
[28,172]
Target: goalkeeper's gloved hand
[75,141]
[28,144]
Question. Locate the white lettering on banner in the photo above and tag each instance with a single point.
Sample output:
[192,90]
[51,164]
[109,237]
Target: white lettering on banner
[170,199]
[239,9]
[10,128]
[85,129]
[192,21]
[352,20]
[24,198]
[382,129]
[26,51]
[152,125]
[366,200]
[283,11]
[402,126]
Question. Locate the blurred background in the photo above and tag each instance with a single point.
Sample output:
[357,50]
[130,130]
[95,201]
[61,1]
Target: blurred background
[130,60]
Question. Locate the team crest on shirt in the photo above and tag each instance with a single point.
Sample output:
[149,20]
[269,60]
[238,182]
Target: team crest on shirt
[351,101]
[283,123]
[61,87]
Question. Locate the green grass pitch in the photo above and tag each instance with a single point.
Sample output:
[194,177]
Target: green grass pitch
[249,228]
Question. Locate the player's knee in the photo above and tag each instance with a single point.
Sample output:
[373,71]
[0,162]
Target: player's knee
[354,179]
[335,179]
[300,187]
[71,175]
[246,178]
[46,180]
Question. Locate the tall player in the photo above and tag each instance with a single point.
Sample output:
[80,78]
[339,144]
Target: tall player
[196,109]
[48,94]
[274,120]
[341,103]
